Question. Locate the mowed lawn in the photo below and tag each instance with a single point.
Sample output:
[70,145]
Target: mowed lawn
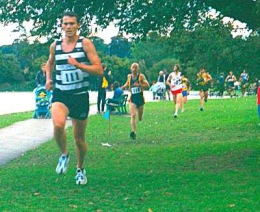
[201,161]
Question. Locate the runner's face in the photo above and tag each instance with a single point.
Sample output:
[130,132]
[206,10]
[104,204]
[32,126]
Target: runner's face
[134,69]
[175,68]
[70,26]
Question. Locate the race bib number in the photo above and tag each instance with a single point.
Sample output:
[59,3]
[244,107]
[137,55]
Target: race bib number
[177,81]
[70,77]
[135,90]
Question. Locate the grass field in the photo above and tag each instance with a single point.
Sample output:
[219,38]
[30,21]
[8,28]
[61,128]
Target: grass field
[201,161]
[9,119]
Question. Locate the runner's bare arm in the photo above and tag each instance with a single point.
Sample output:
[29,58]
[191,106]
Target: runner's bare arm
[168,81]
[126,83]
[95,66]
[144,82]
[50,67]
[209,77]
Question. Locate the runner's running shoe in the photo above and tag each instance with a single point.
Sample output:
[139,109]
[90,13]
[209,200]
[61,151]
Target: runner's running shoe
[81,178]
[133,135]
[62,164]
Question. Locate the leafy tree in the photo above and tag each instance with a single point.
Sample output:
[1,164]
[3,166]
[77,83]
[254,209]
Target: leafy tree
[180,30]
[99,45]
[10,69]
[36,63]
[26,53]
[247,11]
[164,64]
[119,47]
[152,50]
[120,67]
[137,17]
[210,46]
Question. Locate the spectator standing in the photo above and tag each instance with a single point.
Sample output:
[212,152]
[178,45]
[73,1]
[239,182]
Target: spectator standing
[161,77]
[103,83]
[161,84]
[40,78]
[167,87]
[221,84]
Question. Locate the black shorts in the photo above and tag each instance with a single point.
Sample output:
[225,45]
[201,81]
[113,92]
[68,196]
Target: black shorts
[204,88]
[78,104]
[137,99]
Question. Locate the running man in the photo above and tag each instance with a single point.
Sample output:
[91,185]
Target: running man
[74,58]
[185,91]
[203,80]
[230,80]
[244,77]
[175,83]
[136,82]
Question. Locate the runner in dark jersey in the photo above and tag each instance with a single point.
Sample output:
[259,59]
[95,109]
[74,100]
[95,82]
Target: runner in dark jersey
[203,80]
[230,83]
[136,82]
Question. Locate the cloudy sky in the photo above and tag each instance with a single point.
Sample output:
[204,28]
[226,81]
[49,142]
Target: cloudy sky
[7,36]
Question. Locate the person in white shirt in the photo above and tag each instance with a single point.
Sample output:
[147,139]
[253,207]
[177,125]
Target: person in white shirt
[175,83]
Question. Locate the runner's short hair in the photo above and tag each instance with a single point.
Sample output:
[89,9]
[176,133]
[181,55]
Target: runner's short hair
[70,14]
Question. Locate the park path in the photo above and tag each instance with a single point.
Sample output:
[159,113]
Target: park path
[22,136]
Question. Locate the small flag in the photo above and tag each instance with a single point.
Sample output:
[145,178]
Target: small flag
[107,115]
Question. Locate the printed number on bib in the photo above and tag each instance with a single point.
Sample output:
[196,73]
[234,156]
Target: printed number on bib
[135,90]
[69,77]
[176,81]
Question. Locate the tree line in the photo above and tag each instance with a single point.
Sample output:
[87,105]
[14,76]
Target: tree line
[211,46]
[164,32]
[135,17]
